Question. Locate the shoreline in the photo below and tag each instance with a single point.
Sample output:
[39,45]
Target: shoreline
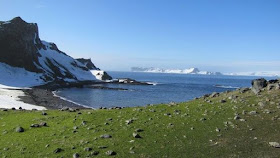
[44,95]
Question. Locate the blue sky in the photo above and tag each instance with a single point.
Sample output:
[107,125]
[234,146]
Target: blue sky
[213,35]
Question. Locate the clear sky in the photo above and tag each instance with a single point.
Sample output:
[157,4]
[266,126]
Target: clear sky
[213,35]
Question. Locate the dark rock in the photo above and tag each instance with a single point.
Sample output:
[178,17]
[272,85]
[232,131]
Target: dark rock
[17,44]
[223,101]
[258,85]
[88,149]
[44,113]
[139,130]
[84,122]
[43,124]
[102,147]
[13,108]
[88,63]
[243,90]
[214,94]
[19,129]
[272,81]
[76,155]
[106,136]
[57,150]
[35,125]
[110,153]
[94,153]
[136,135]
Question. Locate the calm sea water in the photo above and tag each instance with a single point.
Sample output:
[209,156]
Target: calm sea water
[167,88]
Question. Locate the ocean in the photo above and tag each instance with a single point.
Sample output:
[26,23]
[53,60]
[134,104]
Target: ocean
[166,88]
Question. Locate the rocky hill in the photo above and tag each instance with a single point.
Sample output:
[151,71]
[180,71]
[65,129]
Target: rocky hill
[21,47]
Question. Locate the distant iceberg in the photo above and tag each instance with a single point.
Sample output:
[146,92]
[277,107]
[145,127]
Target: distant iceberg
[178,71]
[197,71]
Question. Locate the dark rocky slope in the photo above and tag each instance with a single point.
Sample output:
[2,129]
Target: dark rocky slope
[20,46]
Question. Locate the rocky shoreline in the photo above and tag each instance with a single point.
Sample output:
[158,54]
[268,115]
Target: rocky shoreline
[43,95]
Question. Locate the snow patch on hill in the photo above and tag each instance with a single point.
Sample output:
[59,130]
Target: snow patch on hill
[18,77]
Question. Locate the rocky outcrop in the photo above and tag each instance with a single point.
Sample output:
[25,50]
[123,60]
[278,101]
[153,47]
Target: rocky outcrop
[101,75]
[20,46]
[88,63]
[260,84]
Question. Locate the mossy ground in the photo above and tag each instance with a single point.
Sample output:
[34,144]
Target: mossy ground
[189,130]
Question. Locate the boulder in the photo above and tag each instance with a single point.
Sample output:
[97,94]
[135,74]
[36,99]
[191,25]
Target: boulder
[258,85]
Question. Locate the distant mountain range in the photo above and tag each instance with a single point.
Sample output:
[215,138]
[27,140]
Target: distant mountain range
[179,71]
[197,71]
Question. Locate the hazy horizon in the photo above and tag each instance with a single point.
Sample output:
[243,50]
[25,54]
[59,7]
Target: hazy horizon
[224,36]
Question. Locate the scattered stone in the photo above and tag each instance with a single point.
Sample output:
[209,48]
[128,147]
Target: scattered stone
[223,101]
[88,149]
[44,113]
[253,112]
[261,104]
[237,117]
[34,125]
[266,111]
[274,144]
[218,130]
[13,108]
[84,122]
[242,120]
[94,153]
[57,150]
[75,127]
[243,90]
[48,145]
[106,136]
[167,114]
[43,124]
[203,119]
[76,155]
[214,94]
[139,130]
[19,129]
[129,121]
[110,153]
[136,135]
[102,147]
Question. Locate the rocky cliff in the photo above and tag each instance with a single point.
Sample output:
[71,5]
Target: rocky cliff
[21,47]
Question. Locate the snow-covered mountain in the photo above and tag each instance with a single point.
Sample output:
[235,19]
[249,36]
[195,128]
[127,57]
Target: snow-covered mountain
[258,73]
[180,71]
[25,55]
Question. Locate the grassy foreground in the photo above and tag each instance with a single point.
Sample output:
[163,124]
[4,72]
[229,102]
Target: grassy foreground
[198,128]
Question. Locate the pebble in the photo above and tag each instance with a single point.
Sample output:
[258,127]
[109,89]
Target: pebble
[110,153]
[88,149]
[76,155]
[57,150]
[274,144]
[19,129]
[136,135]
[106,136]
[44,113]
